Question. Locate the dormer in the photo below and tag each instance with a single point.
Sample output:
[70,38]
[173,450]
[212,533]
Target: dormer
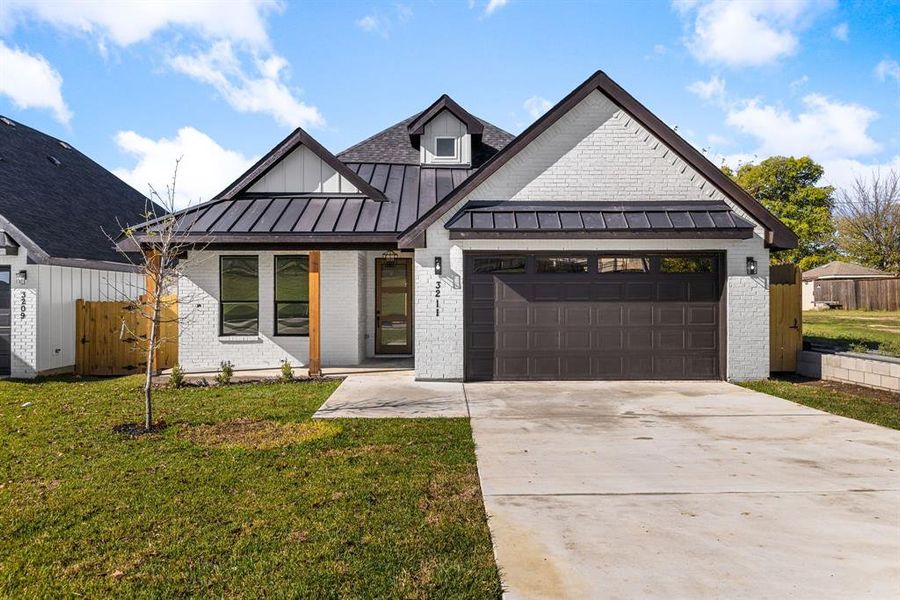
[444,133]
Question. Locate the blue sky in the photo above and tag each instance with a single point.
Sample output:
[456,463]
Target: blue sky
[220,82]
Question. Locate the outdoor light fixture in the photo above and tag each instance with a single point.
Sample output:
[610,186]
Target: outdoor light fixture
[389,257]
[751,266]
[437,265]
[21,277]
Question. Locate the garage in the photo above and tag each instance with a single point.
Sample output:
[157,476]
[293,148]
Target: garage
[593,316]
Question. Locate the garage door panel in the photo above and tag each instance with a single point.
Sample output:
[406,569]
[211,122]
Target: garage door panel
[670,339]
[607,367]
[672,290]
[575,367]
[702,339]
[576,340]
[664,365]
[578,315]
[638,339]
[512,367]
[670,314]
[512,316]
[611,290]
[702,290]
[641,315]
[701,315]
[544,340]
[606,339]
[638,367]
[702,367]
[635,290]
[481,340]
[481,316]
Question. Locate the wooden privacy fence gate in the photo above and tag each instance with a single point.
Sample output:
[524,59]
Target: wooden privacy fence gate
[859,294]
[107,336]
[785,317]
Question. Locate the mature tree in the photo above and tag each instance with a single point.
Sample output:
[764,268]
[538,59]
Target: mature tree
[868,219]
[787,187]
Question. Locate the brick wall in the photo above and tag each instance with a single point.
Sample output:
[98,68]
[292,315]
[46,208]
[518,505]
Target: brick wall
[201,348]
[880,373]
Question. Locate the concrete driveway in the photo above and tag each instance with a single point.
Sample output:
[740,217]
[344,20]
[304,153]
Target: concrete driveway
[684,490]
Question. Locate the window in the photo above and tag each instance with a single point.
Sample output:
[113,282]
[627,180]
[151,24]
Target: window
[562,264]
[239,295]
[623,264]
[499,264]
[686,264]
[445,147]
[291,295]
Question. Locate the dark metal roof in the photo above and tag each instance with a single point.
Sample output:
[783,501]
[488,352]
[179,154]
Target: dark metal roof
[711,219]
[57,202]
[778,235]
[393,145]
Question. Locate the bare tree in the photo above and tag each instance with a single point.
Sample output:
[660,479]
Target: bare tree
[868,221]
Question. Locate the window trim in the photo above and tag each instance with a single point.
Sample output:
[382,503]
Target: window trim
[438,158]
[275,301]
[222,333]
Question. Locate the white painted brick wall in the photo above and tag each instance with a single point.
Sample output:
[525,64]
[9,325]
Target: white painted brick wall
[202,349]
[596,152]
[24,331]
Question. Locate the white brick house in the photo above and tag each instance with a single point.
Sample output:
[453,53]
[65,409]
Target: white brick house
[597,244]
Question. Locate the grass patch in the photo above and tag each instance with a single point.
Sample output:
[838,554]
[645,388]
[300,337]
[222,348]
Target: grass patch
[856,402]
[846,329]
[240,495]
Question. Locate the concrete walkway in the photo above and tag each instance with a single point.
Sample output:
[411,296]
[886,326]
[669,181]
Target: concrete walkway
[684,490]
[393,395]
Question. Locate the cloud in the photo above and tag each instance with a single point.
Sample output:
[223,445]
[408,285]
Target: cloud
[842,172]
[888,69]
[494,5]
[262,90]
[237,20]
[714,89]
[382,24]
[825,129]
[536,106]
[798,83]
[841,32]
[206,168]
[30,81]
[745,33]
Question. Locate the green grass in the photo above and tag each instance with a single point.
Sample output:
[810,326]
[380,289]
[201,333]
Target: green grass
[363,508]
[846,329]
[846,401]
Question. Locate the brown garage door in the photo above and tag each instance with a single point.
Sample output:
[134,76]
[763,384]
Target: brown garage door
[590,316]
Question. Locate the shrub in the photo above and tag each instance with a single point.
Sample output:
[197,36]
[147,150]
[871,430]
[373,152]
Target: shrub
[287,372]
[858,347]
[176,377]
[226,370]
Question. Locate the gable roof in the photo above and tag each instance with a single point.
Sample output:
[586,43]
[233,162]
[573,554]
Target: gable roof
[285,147]
[56,202]
[837,269]
[392,145]
[445,102]
[778,235]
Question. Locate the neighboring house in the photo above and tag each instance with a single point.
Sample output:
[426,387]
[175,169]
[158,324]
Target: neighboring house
[597,244]
[834,271]
[55,204]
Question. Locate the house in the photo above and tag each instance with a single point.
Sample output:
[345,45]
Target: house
[596,244]
[56,208]
[837,270]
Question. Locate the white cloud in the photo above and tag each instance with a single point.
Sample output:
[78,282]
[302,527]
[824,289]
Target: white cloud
[841,32]
[798,83]
[263,91]
[370,23]
[124,25]
[745,33]
[205,168]
[32,82]
[382,24]
[714,89]
[825,129]
[841,172]
[888,69]
[536,106]
[494,5]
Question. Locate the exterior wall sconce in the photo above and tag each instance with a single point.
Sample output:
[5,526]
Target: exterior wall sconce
[21,277]
[438,268]
[389,257]
[752,268]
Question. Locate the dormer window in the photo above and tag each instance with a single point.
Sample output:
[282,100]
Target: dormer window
[446,148]
[445,133]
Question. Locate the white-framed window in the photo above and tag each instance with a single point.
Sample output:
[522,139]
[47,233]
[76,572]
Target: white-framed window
[446,148]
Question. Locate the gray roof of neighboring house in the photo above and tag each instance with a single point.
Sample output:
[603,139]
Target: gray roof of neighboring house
[837,269]
[57,202]
[615,219]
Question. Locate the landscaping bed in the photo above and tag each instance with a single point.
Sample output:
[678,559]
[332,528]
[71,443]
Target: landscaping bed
[240,493]
[855,330]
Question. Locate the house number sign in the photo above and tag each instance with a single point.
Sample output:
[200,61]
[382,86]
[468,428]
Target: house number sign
[437,298]
[23,305]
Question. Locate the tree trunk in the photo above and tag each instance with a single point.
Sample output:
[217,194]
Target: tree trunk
[151,363]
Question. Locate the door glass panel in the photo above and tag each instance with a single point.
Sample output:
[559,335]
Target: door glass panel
[393,304]
[393,275]
[393,334]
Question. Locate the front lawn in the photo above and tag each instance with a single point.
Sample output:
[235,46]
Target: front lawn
[856,402]
[240,495]
[854,329]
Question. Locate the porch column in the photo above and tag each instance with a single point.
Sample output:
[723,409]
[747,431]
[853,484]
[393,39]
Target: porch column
[315,354]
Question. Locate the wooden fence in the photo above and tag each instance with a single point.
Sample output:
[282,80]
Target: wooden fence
[110,338]
[785,317]
[859,294]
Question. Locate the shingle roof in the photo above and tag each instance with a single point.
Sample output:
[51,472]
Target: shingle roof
[59,199]
[837,269]
[392,145]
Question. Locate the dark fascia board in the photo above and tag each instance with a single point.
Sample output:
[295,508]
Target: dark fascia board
[596,234]
[445,102]
[285,147]
[778,235]
[36,254]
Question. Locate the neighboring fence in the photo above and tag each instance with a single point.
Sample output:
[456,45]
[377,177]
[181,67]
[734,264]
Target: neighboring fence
[859,294]
[107,336]
[785,317]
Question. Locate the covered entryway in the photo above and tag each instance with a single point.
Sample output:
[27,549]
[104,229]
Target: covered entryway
[594,316]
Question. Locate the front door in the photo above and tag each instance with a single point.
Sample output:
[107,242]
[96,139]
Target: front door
[393,306]
[5,319]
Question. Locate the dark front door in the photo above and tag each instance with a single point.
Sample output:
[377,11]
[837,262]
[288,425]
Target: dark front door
[393,306]
[5,321]
[590,316]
